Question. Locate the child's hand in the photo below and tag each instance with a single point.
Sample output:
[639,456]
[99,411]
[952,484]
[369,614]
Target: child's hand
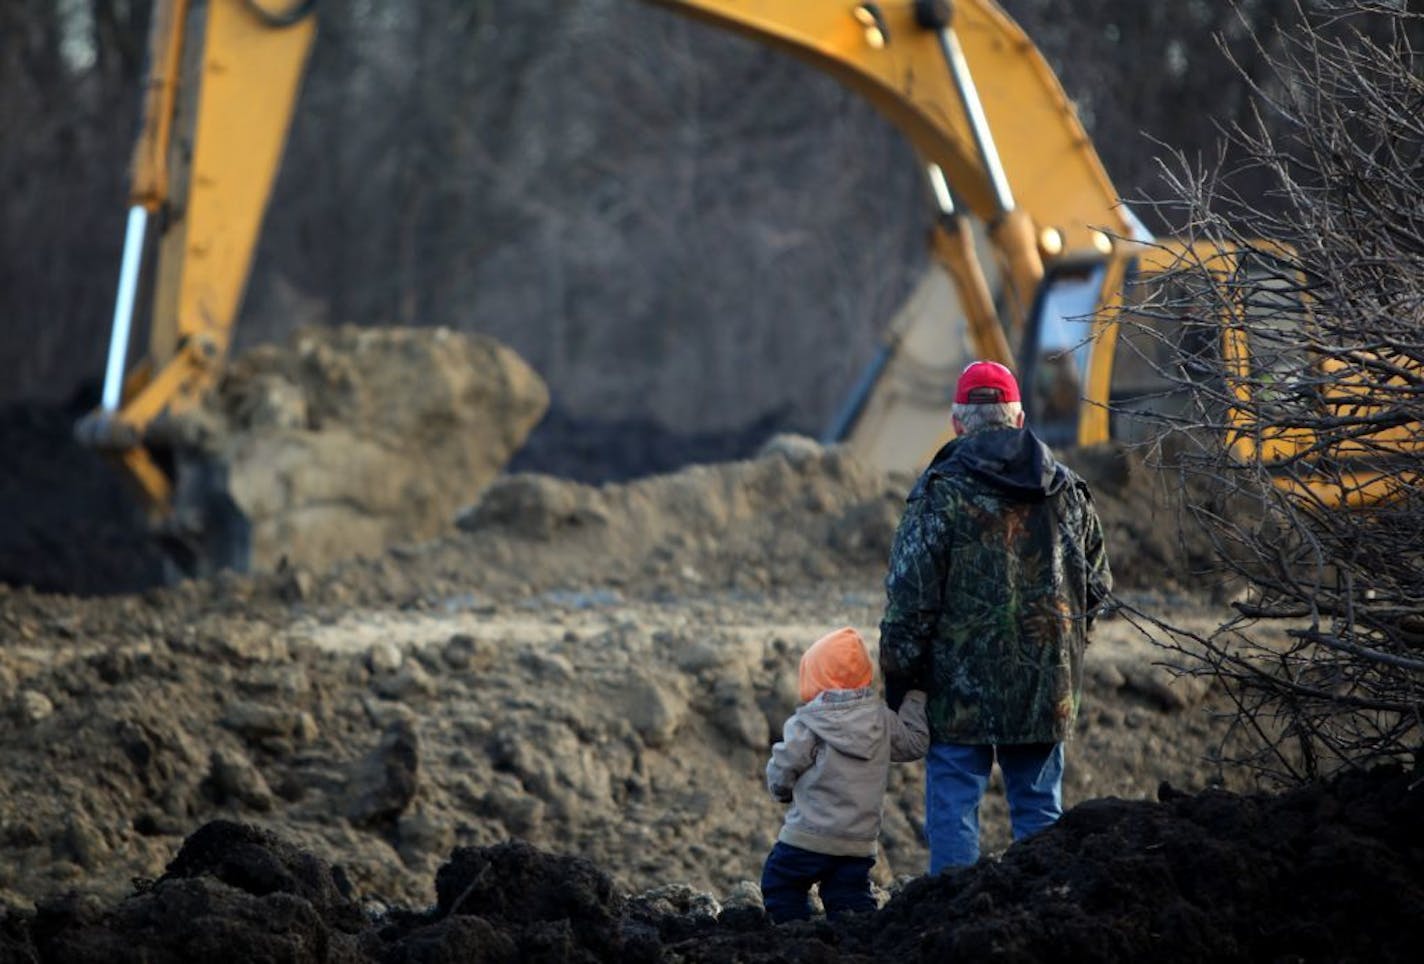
[910,733]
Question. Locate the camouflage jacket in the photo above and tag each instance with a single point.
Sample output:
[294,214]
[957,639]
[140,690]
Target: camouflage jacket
[996,571]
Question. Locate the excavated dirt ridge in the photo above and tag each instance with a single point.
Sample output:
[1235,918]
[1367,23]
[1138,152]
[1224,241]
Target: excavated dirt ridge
[348,440]
[1327,873]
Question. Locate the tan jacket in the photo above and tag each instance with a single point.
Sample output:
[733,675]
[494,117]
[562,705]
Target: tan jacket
[832,765]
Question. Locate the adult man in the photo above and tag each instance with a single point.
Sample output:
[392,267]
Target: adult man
[996,572]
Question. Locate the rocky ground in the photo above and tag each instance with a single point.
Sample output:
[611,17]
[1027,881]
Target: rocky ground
[598,672]
[540,735]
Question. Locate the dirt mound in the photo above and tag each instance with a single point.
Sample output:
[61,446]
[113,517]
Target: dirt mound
[798,512]
[349,440]
[592,669]
[1326,873]
[339,444]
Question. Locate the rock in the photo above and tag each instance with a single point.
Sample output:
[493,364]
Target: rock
[260,721]
[385,782]
[737,715]
[281,683]
[694,653]
[464,652]
[33,706]
[744,893]
[411,681]
[270,401]
[384,657]
[548,760]
[421,834]
[307,730]
[655,711]
[742,907]
[252,643]
[535,506]
[684,899]
[298,584]
[233,777]
[83,842]
[548,667]
[387,713]
[521,813]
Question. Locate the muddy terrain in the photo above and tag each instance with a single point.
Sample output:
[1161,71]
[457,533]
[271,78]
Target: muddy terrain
[599,670]
[541,733]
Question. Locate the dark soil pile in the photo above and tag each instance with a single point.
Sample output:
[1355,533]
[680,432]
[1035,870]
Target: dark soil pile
[595,451]
[1328,872]
[67,523]
[1325,873]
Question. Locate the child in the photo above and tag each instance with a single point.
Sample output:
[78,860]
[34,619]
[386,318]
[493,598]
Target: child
[832,765]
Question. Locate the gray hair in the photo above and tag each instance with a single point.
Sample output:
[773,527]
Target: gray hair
[980,418]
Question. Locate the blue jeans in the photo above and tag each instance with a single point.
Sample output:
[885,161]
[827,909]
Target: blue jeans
[789,872]
[956,776]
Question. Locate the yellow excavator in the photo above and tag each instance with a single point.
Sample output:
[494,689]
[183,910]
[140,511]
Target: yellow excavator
[1011,169]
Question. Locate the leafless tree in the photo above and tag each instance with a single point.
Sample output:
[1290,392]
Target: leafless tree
[1289,347]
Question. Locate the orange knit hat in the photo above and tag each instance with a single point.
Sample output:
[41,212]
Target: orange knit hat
[836,661]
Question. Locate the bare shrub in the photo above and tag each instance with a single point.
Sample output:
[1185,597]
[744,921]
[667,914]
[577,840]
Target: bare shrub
[1290,338]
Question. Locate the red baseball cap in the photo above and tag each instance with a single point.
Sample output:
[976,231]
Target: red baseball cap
[986,383]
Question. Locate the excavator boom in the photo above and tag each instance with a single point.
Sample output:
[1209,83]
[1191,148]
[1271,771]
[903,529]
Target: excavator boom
[894,55]
[221,89]
[963,84]
[1014,173]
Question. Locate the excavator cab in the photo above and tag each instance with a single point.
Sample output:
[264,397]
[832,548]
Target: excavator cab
[1056,349]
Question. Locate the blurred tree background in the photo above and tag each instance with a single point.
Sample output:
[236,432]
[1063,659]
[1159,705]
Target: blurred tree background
[673,225]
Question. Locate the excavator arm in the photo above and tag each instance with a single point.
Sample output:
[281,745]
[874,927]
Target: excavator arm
[984,111]
[1013,173]
[221,88]
[962,82]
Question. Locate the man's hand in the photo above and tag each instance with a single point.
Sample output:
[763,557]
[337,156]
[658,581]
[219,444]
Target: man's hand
[895,690]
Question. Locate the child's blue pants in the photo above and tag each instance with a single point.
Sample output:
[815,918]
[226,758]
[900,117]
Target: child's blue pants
[789,872]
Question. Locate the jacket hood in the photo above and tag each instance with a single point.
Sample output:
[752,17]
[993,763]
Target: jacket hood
[1012,460]
[836,661]
[848,720]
